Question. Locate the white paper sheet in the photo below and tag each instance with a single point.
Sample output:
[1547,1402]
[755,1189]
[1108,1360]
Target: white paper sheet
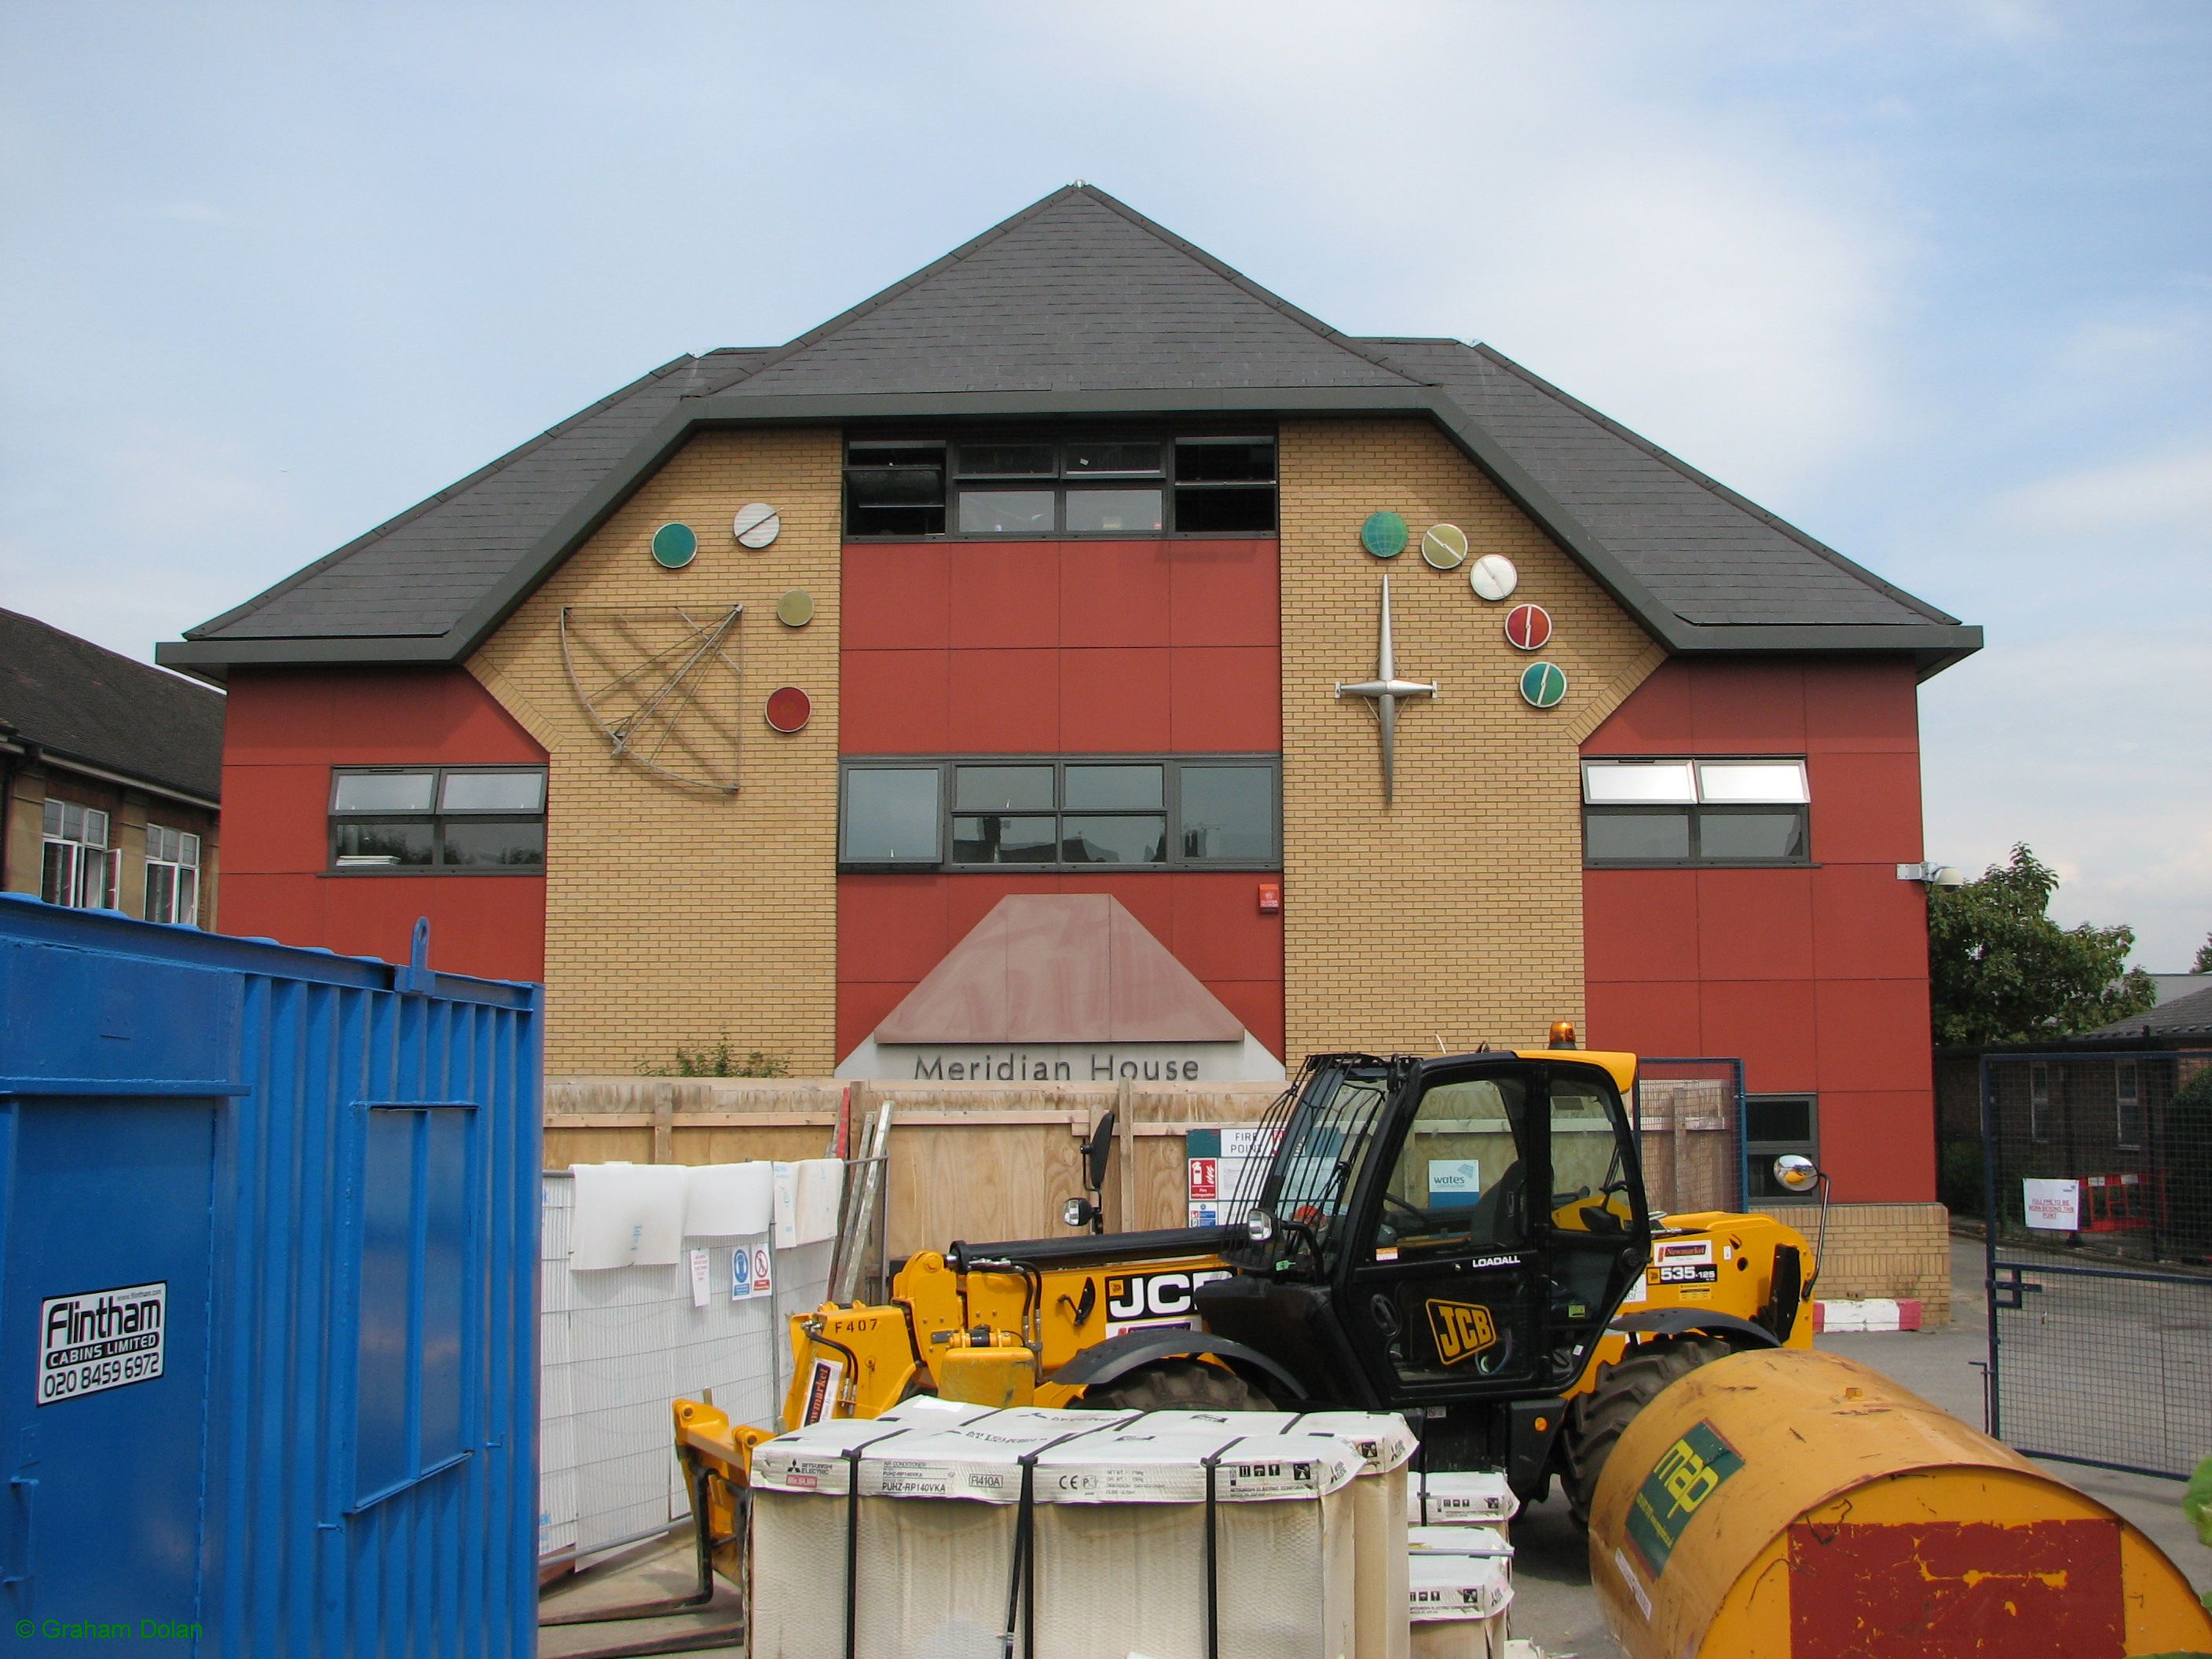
[729,1200]
[627,1215]
[807,1194]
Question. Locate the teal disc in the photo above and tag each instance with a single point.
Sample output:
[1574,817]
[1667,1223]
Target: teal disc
[1383,535]
[1543,684]
[675,545]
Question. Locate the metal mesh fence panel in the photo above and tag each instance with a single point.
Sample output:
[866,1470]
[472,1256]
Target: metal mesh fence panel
[1689,1125]
[617,1345]
[2096,1176]
[2103,1366]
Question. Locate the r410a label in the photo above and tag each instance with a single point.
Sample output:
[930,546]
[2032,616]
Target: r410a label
[100,1340]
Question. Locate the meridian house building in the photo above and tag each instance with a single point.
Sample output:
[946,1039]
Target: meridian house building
[1078,662]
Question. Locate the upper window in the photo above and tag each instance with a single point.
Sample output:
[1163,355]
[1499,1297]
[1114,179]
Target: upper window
[991,812]
[77,866]
[1033,487]
[173,876]
[1774,1125]
[1695,812]
[2132,1125]
[475,820]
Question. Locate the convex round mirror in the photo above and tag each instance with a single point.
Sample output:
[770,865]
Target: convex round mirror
[1796,1172]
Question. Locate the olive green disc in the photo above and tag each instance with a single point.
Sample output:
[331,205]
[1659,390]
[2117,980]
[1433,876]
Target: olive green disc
[795,609]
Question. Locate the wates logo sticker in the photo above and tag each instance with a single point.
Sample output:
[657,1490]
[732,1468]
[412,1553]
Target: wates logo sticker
[1462,1330]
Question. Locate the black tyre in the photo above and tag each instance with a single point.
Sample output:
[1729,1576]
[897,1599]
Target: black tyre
[1596,1420]
[1182,1385]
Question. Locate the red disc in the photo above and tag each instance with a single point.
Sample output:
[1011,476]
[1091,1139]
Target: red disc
[788,708]
[1528,626]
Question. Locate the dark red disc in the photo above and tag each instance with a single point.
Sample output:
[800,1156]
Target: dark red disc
[789,708]
[1528,626]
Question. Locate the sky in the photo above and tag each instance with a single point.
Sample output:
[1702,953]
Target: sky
[1932,280]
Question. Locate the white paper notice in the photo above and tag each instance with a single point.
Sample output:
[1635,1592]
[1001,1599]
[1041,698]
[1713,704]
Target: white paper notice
[2054,1206]
[699,1283]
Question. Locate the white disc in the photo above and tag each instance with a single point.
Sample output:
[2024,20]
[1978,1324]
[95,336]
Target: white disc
[756,524]
[1493,576]
[1444,546]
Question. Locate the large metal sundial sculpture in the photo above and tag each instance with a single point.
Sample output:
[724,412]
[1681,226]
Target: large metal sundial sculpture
[1387,689]
[661,684]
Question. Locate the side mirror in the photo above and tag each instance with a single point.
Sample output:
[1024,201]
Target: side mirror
[1096,1151]
[1795,1172]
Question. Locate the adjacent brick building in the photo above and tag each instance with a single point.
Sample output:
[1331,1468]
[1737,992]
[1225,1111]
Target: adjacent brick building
[1079,554]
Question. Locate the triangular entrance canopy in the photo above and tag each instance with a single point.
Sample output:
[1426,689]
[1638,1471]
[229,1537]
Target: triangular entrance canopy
[1060,979]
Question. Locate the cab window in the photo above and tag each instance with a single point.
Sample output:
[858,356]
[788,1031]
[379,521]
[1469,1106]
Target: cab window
[1457,1187]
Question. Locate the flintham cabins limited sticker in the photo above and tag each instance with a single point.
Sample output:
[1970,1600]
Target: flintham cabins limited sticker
[99,1339]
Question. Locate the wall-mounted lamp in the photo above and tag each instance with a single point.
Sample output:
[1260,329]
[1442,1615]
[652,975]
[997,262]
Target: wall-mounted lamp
[1935,875]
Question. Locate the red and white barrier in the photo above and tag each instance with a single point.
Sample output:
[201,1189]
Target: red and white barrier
[1867,1314]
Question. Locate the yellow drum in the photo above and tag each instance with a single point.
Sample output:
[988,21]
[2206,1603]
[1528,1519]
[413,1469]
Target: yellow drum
[1792,1504]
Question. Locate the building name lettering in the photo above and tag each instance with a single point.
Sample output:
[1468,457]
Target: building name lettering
[1097,1067]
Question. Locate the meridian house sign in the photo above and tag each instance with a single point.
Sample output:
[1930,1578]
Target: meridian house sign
[1060,988]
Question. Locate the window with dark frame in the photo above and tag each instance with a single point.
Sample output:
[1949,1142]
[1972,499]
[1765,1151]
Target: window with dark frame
[1050,487]
[2131,1124]
[1747,809]
[438,820]
[173,876]
[1060,812]
[1774,1125]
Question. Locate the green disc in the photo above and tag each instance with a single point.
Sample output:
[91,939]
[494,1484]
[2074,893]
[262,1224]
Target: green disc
[1383,535]
[1543,684]
[675,545]
[795,609]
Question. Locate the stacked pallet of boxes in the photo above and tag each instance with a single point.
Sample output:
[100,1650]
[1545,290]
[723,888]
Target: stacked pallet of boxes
[1461,1563]
[942,1529]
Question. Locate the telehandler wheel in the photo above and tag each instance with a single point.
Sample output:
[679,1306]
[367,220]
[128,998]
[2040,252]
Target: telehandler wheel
[1177,1385]
[1595,1420]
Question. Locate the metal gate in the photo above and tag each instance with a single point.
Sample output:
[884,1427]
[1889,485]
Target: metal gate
[2097,1188]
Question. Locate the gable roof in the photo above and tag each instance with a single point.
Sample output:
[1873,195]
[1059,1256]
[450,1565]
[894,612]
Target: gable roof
[1060,968]
[2183,1017]
[1079,304]
[84,702]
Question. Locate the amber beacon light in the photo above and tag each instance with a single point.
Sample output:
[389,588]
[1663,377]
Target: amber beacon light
[1563,1034]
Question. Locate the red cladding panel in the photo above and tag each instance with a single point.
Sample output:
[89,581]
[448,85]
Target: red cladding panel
[1114,592]
[1003,596]
[1654,720]
[1877,1146]
[284,731]
[896,596]
[1866,924]
[1863,705]
[1640,924]
[894,702]
[1770,1026]
[1224,593]
[1750,708]
[1644,1017]
[1004,702]
[1219,931]
[1226,698]
[1874,1034]
[1866,808]
[890,927]
[862,1005]
[1755,924]
[1114,701]
[1258,1003]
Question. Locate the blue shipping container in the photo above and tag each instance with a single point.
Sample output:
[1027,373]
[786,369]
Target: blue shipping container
[268,1329]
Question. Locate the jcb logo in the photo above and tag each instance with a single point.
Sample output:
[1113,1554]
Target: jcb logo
[1152,1295]
[1462,1329]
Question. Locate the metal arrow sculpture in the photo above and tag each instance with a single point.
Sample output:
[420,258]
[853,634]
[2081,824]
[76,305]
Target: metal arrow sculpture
[1386,688]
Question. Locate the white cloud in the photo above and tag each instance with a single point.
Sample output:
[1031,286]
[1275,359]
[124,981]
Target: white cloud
[193,213]
[2169,493]
[2089,748]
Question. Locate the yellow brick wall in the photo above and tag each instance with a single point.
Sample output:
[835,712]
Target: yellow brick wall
[1901,1250]
[1457,915]
[675,914]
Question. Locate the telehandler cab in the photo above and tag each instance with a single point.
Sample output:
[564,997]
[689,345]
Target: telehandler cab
[1462,1239]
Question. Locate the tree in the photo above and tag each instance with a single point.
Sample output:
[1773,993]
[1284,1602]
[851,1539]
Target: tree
[2000,970]
[2203,963]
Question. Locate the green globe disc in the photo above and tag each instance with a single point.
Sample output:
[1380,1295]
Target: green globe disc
[675,545]
[1543,684]
[1383,535]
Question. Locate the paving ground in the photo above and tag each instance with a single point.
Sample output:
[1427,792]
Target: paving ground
[1552,1601]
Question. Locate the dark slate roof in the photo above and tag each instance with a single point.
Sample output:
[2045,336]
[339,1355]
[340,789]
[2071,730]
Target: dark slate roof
[84,702]
[2183,1017]
[1081,306]
[1712,557]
